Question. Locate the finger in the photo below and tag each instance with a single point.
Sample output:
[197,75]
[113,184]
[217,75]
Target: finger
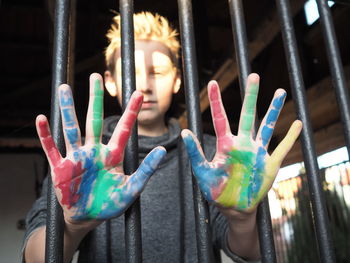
[47,142]
[94,117]
[221,124]
[286,144]
[249,105]
[194,150]
[69,118]
[139,179]
[268,123]
[124,127]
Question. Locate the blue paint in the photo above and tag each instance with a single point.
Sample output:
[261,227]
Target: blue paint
[72,135]
[272,117]
[258,170]
[149,164]
[85,189]
[66,98]
[76,155]
[121,197]
[207,176]
[68,117]
[266,134]
[278,102]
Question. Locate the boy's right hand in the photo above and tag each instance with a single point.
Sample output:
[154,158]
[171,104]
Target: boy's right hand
[89,182]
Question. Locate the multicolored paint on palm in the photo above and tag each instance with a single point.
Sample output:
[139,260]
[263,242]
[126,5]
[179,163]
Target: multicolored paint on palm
[89,181]
[242,171]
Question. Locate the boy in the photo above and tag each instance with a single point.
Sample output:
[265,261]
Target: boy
[90,184]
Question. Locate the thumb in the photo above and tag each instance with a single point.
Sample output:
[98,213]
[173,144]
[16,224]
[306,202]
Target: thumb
[147,168]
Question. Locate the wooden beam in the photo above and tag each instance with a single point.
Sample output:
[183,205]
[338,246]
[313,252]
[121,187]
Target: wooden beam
[19,143]
[227,73]
[327,139]
[322,104]
[324,117]
[81,66]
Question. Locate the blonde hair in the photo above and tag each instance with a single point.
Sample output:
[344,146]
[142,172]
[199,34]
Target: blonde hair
[147,26]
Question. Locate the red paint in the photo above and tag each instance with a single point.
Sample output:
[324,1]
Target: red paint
[128,120]
[135,102]
[114,157]
[67,178]
[48,144]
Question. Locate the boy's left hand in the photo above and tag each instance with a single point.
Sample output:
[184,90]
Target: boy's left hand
[242,171]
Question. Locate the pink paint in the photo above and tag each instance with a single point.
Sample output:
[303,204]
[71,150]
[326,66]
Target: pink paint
[216,191]
[219,117]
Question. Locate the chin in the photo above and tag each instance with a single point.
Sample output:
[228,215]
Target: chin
[150,119]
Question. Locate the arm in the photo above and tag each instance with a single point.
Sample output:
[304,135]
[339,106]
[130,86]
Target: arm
[242,171]
[89,182]
[35,248]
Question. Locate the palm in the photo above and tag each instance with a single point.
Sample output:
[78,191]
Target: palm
[89,182]
[241,171]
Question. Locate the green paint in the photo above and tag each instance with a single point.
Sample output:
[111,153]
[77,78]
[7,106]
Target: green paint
[249,108]
[101,193]
[97,110]
[236,190]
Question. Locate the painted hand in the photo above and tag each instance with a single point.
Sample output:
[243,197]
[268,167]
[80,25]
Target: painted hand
[89,182]
[242,171]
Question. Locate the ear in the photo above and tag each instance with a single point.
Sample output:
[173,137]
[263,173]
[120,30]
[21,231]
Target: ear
[110,83]
[177,84]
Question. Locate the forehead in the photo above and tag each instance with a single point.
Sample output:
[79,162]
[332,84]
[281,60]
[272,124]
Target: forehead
[150,53]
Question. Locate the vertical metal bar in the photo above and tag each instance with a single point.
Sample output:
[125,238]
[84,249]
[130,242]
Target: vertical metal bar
[240,41]
[321,221]
[204,246]
[267,246]
[133,242]
[337,71]
[54,228]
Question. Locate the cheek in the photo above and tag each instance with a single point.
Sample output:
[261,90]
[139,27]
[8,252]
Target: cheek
[164,93]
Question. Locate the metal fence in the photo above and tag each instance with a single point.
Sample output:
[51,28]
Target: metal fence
[62,66]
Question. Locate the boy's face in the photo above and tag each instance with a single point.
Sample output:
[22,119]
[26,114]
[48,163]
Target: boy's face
[156,77]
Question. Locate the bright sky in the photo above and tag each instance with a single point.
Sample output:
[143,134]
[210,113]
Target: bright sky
[311,11]
[328,159]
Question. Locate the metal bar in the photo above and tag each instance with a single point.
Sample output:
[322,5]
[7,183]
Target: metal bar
[55,223]
[204,246]
[298,90]
[267,246]
[240,41]
[133,242]
[336,67]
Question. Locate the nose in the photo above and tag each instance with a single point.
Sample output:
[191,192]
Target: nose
[143,83]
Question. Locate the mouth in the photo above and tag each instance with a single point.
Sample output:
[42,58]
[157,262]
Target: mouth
[148,104]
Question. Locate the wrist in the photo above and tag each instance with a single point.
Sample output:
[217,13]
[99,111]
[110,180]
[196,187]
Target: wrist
[79,228]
